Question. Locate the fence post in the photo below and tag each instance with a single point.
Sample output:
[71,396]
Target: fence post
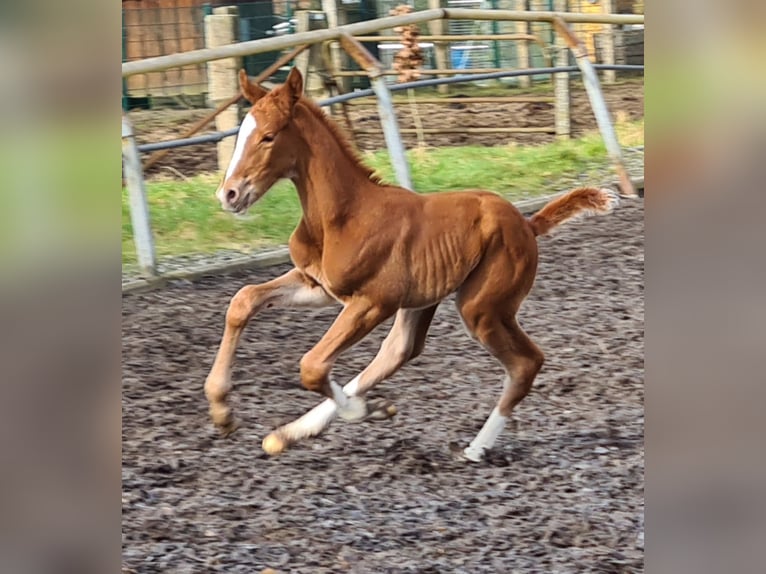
[330,9]
[139,210]
[223,83]
[561,83]
[610,76]
[391,130]
[495,31]
[441,49]
[302,61]
[522,46]
[309,62]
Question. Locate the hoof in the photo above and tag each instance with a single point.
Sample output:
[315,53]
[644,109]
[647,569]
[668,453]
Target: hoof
[228,428]
[223,419]
[274,444]
[473,454]
[382,410]
[354,410]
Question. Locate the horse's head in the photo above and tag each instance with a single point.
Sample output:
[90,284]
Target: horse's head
[265,152]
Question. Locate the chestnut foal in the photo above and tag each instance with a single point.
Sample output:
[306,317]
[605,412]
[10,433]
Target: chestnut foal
[379,250]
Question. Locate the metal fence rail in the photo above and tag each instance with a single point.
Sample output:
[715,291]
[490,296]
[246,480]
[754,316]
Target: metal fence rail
[361,28]
[150,32]
[218,136]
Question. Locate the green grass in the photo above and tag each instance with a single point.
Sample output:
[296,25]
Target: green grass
[186,218]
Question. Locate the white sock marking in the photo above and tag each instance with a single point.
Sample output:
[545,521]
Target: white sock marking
[350,388]
[349,408]
[487,436]
[318,418]
[337,393]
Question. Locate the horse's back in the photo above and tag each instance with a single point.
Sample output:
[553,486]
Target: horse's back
[476,210]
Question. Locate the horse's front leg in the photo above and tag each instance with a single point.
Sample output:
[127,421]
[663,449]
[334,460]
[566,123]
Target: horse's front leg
[293,289]
[405,342]
[356,320]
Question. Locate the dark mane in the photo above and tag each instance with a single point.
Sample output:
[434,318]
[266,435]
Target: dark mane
[340,137]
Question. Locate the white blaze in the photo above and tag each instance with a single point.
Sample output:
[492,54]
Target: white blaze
[247,127]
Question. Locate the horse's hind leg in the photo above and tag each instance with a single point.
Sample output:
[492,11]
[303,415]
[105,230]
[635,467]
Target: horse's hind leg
[488,302]
[403,343]
[293,289]
[522,359]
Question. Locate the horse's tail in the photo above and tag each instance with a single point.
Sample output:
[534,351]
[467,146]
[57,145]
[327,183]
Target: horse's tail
[577,203]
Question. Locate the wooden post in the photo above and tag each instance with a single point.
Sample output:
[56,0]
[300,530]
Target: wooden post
[139,210]
[223,83]
[610,76]
[310,62]
[302,25]
[561,83]
[441,49]
[522,47]
[330,9]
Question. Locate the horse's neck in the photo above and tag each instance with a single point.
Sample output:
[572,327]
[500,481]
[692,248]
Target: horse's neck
[330,183]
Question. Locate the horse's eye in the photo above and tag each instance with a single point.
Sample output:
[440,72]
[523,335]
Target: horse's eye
[267,138]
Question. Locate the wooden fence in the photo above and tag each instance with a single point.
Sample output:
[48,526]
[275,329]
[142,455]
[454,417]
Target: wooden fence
[156,31]
[628,47]
[154,28]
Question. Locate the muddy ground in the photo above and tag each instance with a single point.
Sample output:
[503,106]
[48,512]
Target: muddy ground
[625,100]
[562,491]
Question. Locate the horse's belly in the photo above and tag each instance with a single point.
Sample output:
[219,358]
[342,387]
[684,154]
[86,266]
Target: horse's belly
[431,280]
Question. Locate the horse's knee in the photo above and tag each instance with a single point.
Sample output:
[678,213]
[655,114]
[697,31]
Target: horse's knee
[314,374]
[241,307]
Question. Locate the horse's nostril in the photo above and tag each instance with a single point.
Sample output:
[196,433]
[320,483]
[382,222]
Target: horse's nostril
[231,195]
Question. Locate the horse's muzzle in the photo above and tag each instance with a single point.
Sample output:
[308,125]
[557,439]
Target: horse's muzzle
[236,196]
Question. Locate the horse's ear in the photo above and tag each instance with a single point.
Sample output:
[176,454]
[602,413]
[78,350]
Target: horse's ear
[294,84]
[252,92]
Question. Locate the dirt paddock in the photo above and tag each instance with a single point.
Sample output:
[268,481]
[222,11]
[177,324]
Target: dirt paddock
[562,491]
